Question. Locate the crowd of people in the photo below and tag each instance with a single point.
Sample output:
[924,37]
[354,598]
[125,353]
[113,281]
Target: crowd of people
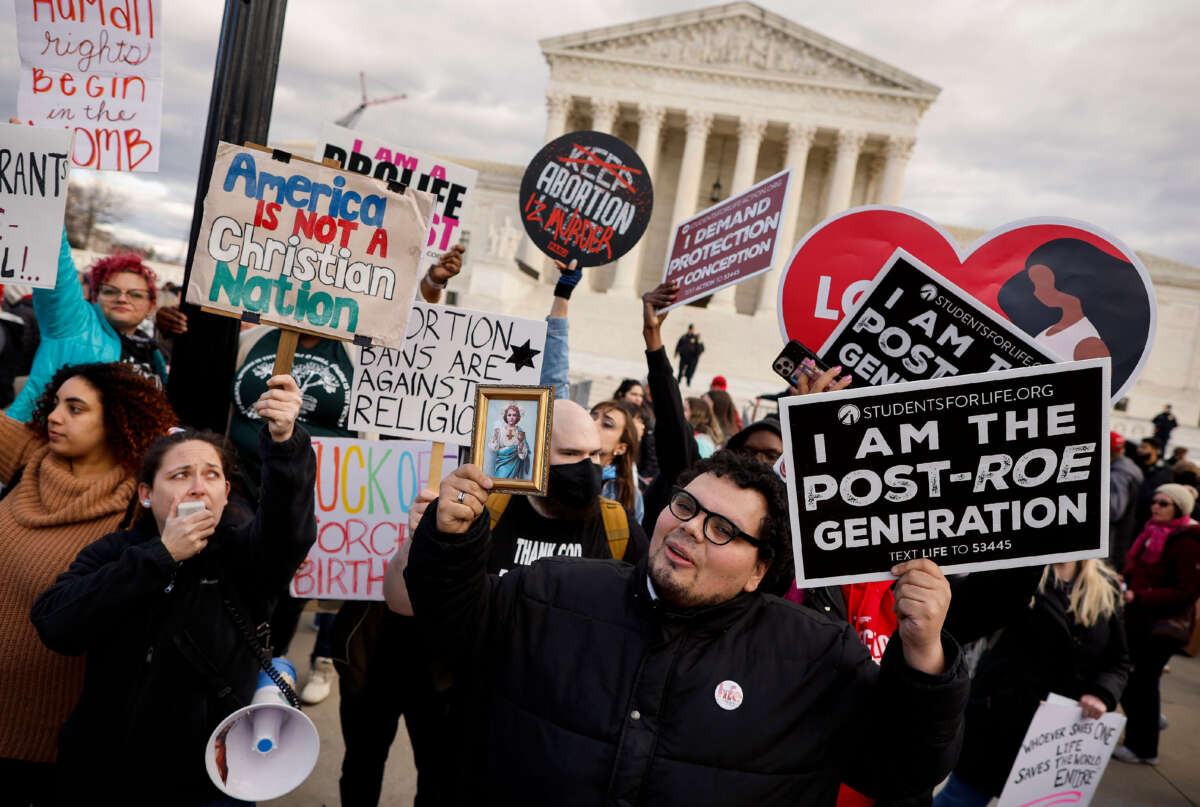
[635,635]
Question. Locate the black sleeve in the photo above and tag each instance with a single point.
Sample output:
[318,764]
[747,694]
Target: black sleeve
[674,438]
[454,599]
[106,582]
[273,544]
[1111,680]
[983,602]
[905,734]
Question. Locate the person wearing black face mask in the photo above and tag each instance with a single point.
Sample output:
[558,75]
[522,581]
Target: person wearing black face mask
[570,520]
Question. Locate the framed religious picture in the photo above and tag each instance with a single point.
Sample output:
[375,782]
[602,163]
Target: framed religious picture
[511,439]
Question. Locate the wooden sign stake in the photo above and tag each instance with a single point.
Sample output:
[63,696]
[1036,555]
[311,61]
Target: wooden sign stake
[435,465]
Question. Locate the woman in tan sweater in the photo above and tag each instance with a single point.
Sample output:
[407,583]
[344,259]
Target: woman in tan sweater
[77,460]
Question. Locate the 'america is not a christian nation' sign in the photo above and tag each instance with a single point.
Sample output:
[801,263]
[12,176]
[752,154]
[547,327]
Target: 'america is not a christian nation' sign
[987,471]
[912,324]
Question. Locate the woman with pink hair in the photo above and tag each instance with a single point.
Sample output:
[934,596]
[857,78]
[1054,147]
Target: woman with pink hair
[74,331]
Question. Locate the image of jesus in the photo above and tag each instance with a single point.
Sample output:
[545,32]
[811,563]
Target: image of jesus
[508,448]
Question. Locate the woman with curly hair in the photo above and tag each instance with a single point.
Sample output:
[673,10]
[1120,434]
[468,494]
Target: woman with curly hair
[74,331]
[70,476]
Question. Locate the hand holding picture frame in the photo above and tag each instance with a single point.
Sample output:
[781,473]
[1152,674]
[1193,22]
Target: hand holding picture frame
[511,438]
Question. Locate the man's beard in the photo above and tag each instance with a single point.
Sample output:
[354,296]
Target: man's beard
[671,590]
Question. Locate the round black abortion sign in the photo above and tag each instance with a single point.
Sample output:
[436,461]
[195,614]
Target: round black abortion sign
[586,196]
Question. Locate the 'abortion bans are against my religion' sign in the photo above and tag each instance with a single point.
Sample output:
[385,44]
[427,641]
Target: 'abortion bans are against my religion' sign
[987,471]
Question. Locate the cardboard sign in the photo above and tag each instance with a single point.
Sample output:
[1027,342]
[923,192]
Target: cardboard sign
[729,242]
[987,471]
[912,324]
[586,196]
[1062,756]
[364,491]
[1083,271]
[307,247]
[34,165]
[95,68]
[426,390]
[450,184]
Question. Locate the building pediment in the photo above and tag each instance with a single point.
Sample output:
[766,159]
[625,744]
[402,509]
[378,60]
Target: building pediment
[739,37]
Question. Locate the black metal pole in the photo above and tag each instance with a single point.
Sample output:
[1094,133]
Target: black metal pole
[239,109]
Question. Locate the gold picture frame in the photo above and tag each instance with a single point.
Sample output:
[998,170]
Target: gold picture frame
[502,445]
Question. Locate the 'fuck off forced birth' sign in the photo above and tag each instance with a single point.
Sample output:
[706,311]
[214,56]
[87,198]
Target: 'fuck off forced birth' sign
[987,471]
[586,196]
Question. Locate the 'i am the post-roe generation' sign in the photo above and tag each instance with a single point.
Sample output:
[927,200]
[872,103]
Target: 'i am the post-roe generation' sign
[308,247]
[95,67]
[364,491]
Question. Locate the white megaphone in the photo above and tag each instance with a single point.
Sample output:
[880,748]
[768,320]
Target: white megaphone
[266,749]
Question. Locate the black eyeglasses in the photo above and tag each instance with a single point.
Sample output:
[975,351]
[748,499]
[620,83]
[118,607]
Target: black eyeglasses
[717,528]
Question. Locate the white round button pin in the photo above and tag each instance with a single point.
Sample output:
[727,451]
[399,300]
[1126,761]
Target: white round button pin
[728,695]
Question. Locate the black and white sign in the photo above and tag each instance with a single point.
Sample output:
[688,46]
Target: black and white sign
[912,324]
[988,471]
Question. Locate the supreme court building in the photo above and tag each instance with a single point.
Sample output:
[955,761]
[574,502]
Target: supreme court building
[715,100]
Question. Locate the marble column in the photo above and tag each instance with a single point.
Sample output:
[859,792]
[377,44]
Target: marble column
[558,107]
[604,115]
[750,134]
[650,121]
[845,164]
[799,141]
[698,124]
[896,152]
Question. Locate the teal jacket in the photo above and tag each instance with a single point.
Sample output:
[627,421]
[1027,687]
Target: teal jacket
[74,331]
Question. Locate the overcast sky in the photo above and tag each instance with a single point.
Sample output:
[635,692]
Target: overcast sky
[1064,107]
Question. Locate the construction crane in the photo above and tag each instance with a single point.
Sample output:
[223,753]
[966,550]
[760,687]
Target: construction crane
[350,119]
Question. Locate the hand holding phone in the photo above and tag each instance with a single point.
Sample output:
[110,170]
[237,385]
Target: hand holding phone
[791,361]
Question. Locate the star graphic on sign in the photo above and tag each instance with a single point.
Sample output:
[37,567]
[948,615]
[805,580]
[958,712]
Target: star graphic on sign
[522,356]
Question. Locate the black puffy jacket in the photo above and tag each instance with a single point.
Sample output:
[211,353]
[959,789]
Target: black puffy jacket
[166,661]
[594,693]
[1042,650]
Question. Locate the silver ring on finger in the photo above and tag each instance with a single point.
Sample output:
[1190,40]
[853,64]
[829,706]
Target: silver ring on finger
[462,494]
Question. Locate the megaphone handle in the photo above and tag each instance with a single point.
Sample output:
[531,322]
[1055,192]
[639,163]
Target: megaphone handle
[261,653]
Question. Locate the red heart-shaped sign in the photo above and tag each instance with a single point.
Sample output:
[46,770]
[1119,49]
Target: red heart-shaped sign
[1065,283]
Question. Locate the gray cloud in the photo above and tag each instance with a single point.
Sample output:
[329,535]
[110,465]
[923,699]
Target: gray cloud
[1048,108]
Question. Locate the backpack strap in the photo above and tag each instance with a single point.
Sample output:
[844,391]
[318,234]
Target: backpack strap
[496,504]
[616,526]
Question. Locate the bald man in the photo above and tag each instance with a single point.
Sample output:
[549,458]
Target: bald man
[566,522]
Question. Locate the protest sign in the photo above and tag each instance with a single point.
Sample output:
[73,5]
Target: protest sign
[426,390]
[1090,297]
[34,164]
[729,242]
[1062,756]
[308,248]
[364,491]
[586,196]
[450,184]
[911,324]
[987,471]
[94,68]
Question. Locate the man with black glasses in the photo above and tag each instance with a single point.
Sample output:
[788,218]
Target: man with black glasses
[676,681]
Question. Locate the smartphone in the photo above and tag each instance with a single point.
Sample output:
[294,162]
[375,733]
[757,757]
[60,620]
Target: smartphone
[790,362]
[187,508]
